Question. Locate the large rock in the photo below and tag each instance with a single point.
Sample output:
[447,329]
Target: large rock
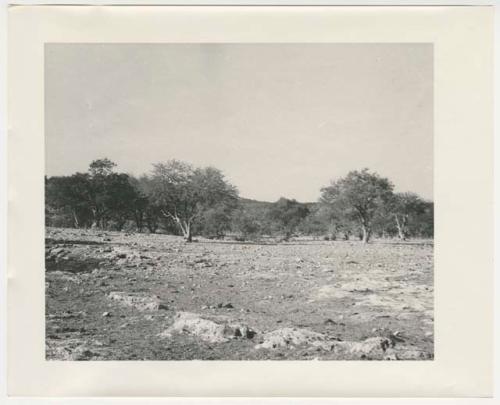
[212,331]
[374,347]
[291,337]
[137,301]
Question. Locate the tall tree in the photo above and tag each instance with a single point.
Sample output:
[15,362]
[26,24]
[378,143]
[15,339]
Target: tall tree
[111,193]
[184,193]
[359,196]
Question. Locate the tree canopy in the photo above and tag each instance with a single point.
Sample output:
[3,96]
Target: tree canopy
[184,193]
[287,215]
[359,196]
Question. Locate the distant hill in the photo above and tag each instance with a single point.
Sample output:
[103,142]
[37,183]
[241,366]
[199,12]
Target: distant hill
[256,204]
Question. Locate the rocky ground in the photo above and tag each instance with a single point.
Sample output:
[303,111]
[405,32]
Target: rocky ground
[119,296]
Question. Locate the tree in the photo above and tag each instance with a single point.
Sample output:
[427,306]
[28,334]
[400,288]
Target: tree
[287,215]
[101,167]
[120,200]
[315,223]
[406,207]
[146,213]
[334,222]
[111,194]
[359,196]
[251,219]
[184,193]
[215,222]
[70,195]
[423,224]
[95,197]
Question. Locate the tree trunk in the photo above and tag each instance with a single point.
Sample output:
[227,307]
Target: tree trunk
[401,228]
[75,219]
[366,233]
[139,221]
[187,233]
[95,219]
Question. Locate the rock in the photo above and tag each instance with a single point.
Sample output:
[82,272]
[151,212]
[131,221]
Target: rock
[371,347]
[83,353]
[80,352]
[57,251]
[212,331]
[411,354]
[105,314]
[138,301]
[390,354]
[291,337]
[65,276]
[227,305]
[330,322]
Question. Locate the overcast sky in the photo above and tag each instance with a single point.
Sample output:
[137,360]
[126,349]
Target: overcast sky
[278,120]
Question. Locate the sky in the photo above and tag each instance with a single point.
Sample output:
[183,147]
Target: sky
[277,119]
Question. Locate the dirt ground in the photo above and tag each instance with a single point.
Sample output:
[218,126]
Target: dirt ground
[119,296]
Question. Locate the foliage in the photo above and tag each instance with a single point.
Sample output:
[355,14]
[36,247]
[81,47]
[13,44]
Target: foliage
[286,216]
[94,198]
[178,198]
[406,208]
[358,197]
[69,197]
[184,194]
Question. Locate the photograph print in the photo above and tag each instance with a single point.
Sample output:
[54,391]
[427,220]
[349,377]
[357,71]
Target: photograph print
[239,201]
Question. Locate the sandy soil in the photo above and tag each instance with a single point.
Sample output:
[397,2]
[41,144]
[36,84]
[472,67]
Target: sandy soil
[118,296]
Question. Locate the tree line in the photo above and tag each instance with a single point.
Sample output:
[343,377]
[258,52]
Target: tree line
[179,198]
